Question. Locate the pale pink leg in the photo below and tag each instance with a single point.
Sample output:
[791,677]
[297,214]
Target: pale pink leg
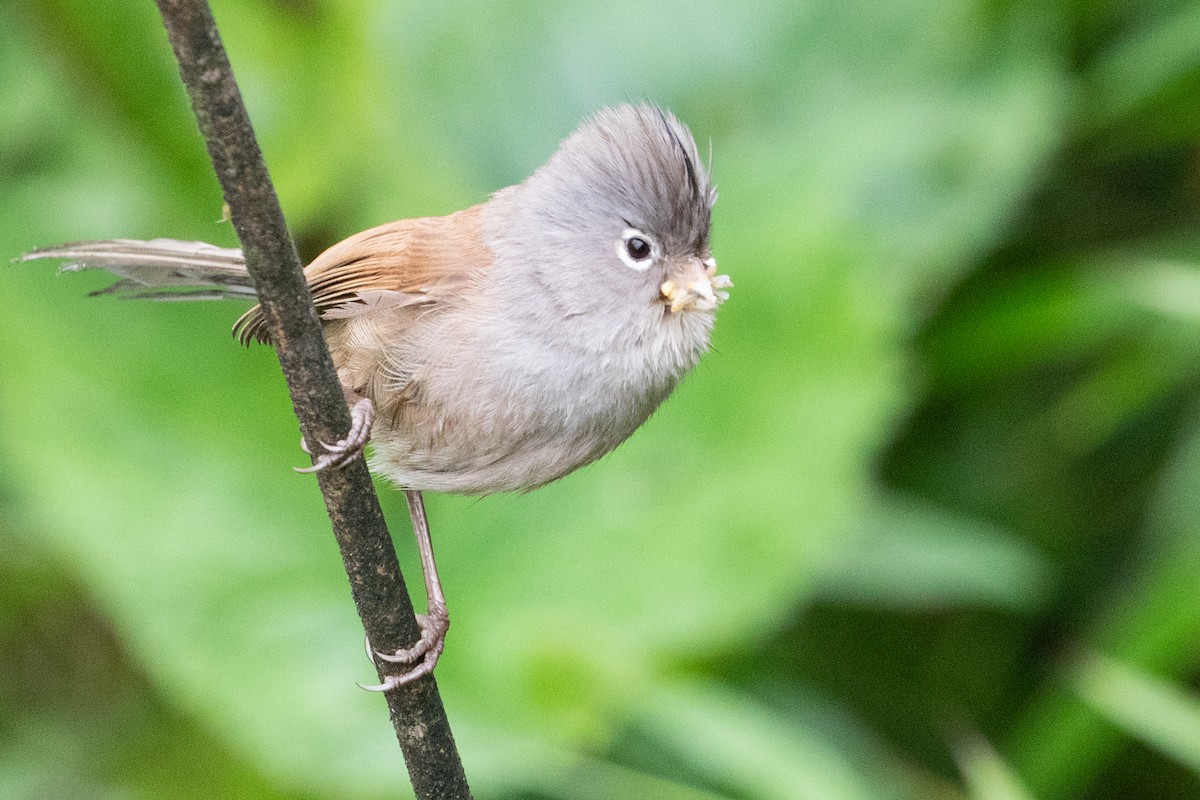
[425,652]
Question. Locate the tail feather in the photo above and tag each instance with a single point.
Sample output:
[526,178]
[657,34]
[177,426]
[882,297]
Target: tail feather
[158,269]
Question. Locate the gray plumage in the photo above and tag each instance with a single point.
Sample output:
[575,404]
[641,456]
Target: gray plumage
[161,269]
[508,344]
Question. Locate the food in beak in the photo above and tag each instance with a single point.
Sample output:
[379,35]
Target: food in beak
[697,286]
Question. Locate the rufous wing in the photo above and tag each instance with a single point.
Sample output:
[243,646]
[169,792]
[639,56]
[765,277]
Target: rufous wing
[406,262]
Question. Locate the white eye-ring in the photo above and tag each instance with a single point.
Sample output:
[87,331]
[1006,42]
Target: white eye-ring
[636,249]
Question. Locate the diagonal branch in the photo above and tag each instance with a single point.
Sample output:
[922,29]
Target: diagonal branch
[370,559]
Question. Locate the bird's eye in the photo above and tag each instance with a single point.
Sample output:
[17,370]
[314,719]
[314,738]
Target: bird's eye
[636,249]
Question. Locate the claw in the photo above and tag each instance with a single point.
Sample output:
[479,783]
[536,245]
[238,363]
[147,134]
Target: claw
[392,681]
[424,654]
[427,649]
[341,453]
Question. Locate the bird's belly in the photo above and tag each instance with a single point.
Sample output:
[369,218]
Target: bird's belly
[518,458]
[500,413]
[520,438]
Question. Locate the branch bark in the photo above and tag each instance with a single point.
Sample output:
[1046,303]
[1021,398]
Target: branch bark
[376,583]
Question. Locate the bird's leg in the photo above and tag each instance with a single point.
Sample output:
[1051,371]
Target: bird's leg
[350,447]
[434,623]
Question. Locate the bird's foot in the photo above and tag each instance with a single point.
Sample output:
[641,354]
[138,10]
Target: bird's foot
[423,655]
[341,453]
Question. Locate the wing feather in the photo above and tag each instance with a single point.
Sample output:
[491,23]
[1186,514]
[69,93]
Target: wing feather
[400,263]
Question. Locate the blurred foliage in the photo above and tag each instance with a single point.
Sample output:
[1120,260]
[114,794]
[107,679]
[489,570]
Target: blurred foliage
[925,525]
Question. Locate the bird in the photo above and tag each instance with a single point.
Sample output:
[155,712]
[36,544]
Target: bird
[500,347]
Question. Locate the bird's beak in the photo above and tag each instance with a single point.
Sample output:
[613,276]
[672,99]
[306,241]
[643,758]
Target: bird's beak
[694,283]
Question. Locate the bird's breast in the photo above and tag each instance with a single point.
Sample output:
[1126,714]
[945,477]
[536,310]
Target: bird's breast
[517,412]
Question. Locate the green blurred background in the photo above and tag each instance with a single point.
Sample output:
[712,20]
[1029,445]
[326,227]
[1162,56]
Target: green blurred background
[926,524]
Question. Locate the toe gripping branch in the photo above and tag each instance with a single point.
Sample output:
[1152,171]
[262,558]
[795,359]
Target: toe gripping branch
[350,447]
[423,655]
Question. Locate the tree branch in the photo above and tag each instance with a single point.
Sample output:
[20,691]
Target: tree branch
[370,558]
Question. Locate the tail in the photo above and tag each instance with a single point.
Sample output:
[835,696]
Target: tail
[160,269]
[166,269]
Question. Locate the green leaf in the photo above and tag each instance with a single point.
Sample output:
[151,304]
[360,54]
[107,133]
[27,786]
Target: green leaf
[1133,76]
[988,776]
[1162,714]
[1150,620]
[914,555]
[733,740]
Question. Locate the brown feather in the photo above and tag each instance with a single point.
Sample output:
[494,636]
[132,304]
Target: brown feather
[404,262]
